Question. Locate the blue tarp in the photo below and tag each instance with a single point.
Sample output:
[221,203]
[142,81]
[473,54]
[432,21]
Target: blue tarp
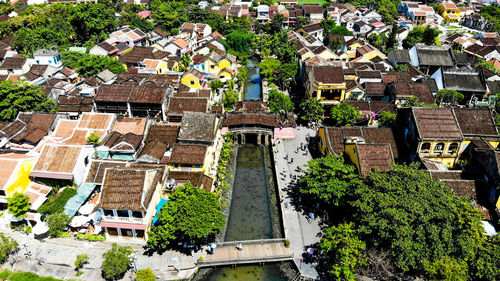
[158,209]
[75,202]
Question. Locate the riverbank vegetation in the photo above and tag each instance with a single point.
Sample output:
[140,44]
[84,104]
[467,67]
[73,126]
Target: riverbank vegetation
[225,159]
[192,215]
[401,222]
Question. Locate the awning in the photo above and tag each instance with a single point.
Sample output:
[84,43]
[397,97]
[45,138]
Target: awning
[158,209]
[40,228]
[74,203]
[87,209]
[123,225]
[78,221]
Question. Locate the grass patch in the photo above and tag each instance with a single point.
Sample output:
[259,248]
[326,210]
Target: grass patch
[29,276]
[321,2]
[56,205]
[4,274]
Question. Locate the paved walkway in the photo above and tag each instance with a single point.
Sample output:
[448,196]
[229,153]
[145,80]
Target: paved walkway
[298,229]
[55,257]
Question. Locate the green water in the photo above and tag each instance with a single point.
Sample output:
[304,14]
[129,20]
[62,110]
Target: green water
[250,217]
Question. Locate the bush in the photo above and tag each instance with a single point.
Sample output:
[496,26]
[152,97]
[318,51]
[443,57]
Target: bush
[116,261]
[93,139]
[18,204]
[145,275]
[57,223]
[28,276]
[7,246]
[4,274]
[27,229]
[386,119]
[81,260]
[56,205]
[90,237]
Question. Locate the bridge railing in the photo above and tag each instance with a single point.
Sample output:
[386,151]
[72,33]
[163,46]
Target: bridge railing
[250,242]
[246,260]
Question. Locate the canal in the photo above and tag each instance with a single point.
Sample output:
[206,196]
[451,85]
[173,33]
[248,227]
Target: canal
[253,87]
[254,213]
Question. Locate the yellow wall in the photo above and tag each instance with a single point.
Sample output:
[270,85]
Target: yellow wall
[350,150]
[445,12]
[224,63]
[186,80]
[322,136]
[157,46]
[225,74]
[162,67]
[446,158]
[20,178]
[328,55]
[373,54]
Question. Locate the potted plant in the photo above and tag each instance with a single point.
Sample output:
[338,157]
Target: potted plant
[287,243]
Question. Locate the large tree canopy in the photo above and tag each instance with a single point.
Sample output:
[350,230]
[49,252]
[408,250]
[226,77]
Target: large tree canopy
[190,215]
[22,97]
[344,114]
[279,101]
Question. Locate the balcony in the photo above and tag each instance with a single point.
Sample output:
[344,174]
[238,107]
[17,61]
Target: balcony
[122,219]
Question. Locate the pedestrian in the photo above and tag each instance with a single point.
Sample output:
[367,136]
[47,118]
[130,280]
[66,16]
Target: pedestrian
[292,160]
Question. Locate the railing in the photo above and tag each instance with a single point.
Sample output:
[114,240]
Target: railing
[249,129]
[245,260]
[122,219]
[250,242]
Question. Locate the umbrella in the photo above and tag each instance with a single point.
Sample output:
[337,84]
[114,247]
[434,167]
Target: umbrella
[310,251]
[489,229]
[40,228]
[78,221]
[87,209]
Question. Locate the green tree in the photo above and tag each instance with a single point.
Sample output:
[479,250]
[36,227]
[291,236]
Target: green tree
[80,261]
[57,222]
[116,261]
[269,67]
[327,180]
[191,215]
[312,110]
[135,21]
[449,97]
[276,23]
[407,212]
[92,20]
[145,275]
[18,204]
[301,22]
[343,251]
[22,97]
[336,44]
[93,139]
[216,85]
[401,68]
[344,114]
[422,34]
[392,41]
[430,35]
[89,65]
[279,101]
[386,119]
[447,269]
[239,42]
[7,246]
[229,99]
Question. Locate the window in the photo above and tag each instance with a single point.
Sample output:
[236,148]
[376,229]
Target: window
[192,82]
[137,214]
[37,62]
[139,233]
[452,149]
[197,166]
[2,192]
[439,147]
[50,61]
[122,213]
[112,231]
[425,147]
[109,213]
[127,232]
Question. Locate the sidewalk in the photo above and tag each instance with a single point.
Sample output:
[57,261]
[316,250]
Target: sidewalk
[298,229]
[55,257]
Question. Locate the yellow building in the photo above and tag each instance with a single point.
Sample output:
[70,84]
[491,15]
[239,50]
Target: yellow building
[449,11]
[326,83]
[193,79]
[152,66]
[214,63]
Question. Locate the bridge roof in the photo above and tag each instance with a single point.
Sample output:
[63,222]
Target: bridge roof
[265,119]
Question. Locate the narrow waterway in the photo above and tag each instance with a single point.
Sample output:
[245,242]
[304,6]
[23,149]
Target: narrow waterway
[253,214]
[253,87]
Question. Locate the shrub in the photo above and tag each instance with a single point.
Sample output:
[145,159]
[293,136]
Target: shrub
[57,223]
[18,204]
[7,246]
[28,276]
[116,261]
[93,139]
[4,274]
[56,205]
[81,260]
[145,275]
[90,237]
[28,229]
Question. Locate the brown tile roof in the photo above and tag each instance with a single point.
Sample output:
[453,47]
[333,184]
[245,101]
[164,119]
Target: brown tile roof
[462,187]
[74,104]
[375,89]
[133,94]
[130,125]
[37,126]
[118,141]
[373,156]
[251,106]
[197,179]
[198,126]
[369,74]
[422,91]
[436,123]
[391,77]
[188,154]
[123,189]
[108,47]
[180,105]
[164,133]
[139,79]
[337,135]
[181,43]
[98,121]
[13,63]
[476,121]
[57,159]
[153,149]
[198,94]
[137,54]
[98,167]
[328,74]
[261,118]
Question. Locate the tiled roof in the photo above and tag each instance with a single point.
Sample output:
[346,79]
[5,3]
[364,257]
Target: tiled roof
[164,133]
[436,123]
[181,104]
[374,89]
[57,159]
[98,121]
[373,156]
[13,63]
[476,121]
[98,167]
[133,94]
[153,149]
[198,126]
[337,136]
[188,154]
[328,74]
[130,125]
[138,54]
